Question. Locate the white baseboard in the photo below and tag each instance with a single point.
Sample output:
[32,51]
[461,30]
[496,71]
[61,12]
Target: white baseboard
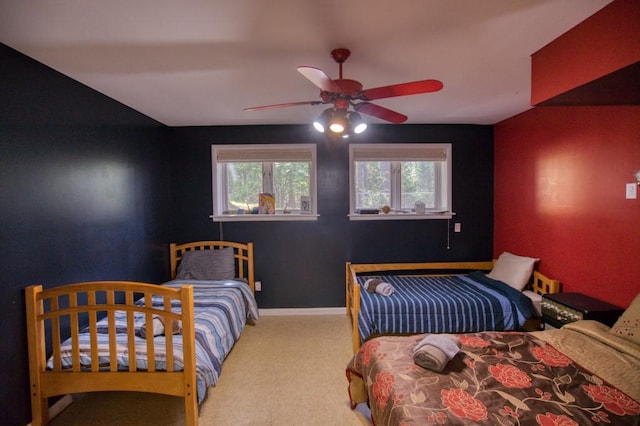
[59,405]
[303,311]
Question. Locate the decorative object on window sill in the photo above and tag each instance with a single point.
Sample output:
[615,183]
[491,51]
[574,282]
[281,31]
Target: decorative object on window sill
[267,203]
[345,93]
[305,204]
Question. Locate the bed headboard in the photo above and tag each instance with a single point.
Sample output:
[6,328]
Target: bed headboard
[542,284]
[242,253]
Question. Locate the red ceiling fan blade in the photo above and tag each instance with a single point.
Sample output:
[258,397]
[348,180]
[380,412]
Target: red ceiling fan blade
[320,79]
[380,112]
[288,104]
[403,89]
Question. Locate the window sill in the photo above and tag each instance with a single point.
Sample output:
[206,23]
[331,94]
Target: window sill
[401,216]
[278,217]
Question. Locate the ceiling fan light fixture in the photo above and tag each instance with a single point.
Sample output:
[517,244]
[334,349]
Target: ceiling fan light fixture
[336,127]
[357,123]
[322,122]
[318,126]
[360,128]
[339,121]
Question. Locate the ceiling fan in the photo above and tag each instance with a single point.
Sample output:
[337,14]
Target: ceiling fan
[344,93]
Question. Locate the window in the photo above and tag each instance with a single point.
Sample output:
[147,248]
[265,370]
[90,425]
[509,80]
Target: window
[398,176]
[242,172]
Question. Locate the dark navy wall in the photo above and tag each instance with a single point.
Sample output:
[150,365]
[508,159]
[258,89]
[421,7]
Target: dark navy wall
[301,264]
[84,196]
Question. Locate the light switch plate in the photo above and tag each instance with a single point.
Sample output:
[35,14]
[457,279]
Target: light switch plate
[632,191]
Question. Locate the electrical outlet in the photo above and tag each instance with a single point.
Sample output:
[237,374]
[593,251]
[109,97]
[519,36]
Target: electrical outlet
[632,191]
[258,285]
[457,227]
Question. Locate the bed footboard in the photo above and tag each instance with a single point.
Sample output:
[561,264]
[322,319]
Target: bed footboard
[51,311]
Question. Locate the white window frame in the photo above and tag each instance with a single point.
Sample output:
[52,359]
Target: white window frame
[265,153]
[396,153]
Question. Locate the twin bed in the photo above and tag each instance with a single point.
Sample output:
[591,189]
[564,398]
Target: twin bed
[129,336]
[454,297]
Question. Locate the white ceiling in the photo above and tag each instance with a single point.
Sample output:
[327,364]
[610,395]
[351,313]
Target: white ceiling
[201,62]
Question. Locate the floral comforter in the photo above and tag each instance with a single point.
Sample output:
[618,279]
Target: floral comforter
[498,378]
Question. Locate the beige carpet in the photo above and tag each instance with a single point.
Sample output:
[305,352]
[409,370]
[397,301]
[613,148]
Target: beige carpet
[285,370]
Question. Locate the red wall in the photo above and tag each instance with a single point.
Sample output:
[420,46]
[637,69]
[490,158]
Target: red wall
[560,175]
[605,42]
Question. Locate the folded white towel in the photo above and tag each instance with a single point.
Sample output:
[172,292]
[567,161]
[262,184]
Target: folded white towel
[435,351]
[448,343]
[375,285]
[385,289]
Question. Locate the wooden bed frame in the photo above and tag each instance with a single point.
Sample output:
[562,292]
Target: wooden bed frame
[541,284]
[48,310]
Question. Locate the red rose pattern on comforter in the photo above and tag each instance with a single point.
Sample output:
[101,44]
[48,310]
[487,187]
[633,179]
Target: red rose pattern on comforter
[498,378]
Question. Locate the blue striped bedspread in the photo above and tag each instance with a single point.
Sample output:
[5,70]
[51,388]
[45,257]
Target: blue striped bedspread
[221,310]
[462,303]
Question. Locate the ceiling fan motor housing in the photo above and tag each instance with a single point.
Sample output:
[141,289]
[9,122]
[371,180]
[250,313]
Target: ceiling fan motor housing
[340,55]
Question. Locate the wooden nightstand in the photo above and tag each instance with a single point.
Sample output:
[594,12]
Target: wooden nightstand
[559,309]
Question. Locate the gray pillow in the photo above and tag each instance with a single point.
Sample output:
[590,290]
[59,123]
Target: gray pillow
[207,265]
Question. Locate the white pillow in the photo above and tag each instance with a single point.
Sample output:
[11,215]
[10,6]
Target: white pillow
[513,270]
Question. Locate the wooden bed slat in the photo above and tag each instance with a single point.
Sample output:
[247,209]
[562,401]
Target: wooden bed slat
[151,352]
[55,330]
[131,336]
[93,321]
[75,343]
[113,356]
